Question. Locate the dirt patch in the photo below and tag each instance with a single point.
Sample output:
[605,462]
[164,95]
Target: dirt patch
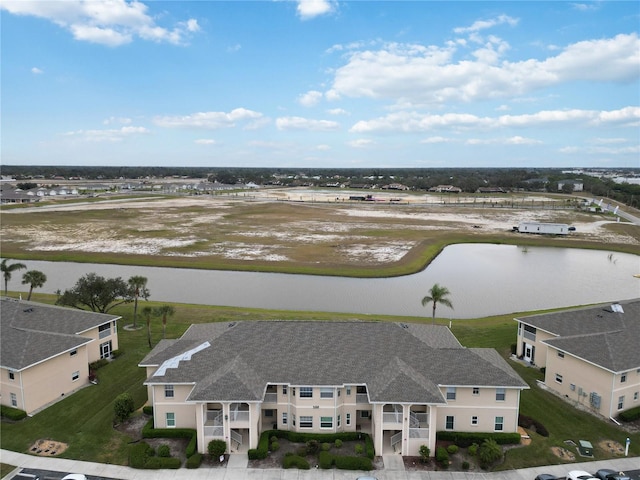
[612,447]
[47,448]
[563,454]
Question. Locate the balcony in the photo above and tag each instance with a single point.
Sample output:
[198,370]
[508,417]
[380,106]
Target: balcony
[362,398]
[392,418]
[213,424]
[270,398]
[418,433]
[102,333]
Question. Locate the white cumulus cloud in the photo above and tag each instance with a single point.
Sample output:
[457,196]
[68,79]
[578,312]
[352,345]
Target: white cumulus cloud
[205,141]
[300,123]
[310,99]
[37,71]
[107,135]
[208,120]
[308,9]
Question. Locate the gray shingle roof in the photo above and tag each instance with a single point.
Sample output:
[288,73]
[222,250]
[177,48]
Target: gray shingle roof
[33,332]
[397,362]
[596,334]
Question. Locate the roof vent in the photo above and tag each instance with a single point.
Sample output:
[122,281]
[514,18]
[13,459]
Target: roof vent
[617,308]
[232,324]
[28,310]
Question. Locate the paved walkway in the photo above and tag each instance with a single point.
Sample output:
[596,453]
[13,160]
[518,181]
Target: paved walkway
[236,469]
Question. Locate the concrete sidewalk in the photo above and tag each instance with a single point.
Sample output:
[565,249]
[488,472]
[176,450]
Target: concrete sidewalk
[236,469]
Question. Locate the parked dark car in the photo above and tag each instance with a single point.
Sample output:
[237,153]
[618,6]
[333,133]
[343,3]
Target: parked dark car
[547,476]
[608,474]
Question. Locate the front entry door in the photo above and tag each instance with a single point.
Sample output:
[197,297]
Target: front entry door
[105,349]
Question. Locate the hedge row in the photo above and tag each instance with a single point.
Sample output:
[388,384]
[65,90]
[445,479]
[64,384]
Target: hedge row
[327,460]
[149,432]
[142,455]
[12,413]
[194,461]
[630,415]
[466,439]
[295,461]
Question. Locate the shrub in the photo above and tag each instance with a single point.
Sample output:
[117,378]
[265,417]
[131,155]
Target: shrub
[452,449]
[191,446]
[12,413]
[425,453]
[295,461]
[141,455]
[368,443]
[216,448]
[325,460]
[630,415]
[532,424]
[353,463]
[465,465]
[489,452]
[273,439]
[123,406]
[473,449]
[464,439]
[442,457]
[326,446]
[313,447]
[116,353]
[338,443]
[194,461]
[164,451]
[275,446]
[98,364]
[359,449]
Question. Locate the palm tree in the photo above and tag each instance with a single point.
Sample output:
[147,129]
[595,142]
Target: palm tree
[35,279]
[7,270]
[148,312]
[164,311]
[437,294]
[138,285]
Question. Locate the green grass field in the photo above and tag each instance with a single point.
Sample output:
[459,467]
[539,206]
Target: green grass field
[85,419]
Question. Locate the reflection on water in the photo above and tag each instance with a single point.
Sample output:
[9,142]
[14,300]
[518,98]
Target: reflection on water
[483,280]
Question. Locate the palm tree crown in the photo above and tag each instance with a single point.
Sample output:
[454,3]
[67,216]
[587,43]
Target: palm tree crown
[7,270]
[35,279]
[437,294]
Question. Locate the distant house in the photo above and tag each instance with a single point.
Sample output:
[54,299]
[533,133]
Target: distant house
[578,185]
[590,355]
[491,190]
[544,228]
[395,186]
[400,383]
[445,189]
[45,351]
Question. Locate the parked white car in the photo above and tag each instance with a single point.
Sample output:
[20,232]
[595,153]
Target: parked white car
[580,475]
[75,476]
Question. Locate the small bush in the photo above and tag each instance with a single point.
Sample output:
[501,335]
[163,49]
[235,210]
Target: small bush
[164,451]
[338,443]
[425,453]
[98,364]
[473,449]
[141,455]
[532,424]
[442,457]
[325,460]
[359,449]
[489,452]
[295,461]
[216,448]
[116,353]
[194,461]
[12,413]
[630,415]
[147,410]
[326,447]
[452,449]
[273,439]
[123,406]
[353,463]
[465,465]
[275,446]
[313,447]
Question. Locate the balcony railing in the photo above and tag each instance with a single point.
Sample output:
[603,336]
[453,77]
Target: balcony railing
[213,431]
[213,418]
[362,398]
[418,420]
[392,417]
[418,433]
[239,416]
[270,398]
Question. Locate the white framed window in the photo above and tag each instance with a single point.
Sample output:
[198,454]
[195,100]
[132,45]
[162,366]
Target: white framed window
[73,352]
[558,378]
[293,419]
[451,393]
[14,400]
[499,424]
[168,391]
[621,402]
[170,419]
[306,392]
[338,422]
[12,375]
[449,422]
[500,394]
[364,413]
[284,389]
[348,389]
[284,418]
[348,419]
[476,391]
[474,420]
[75,376]
[635,396]
[572,387]
[293,391]
[306,421]
[326,422]
[623,378]
[326,392]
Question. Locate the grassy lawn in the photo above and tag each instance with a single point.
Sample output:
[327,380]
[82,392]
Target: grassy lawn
[84,420]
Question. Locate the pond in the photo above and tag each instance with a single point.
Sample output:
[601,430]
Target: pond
[484,279]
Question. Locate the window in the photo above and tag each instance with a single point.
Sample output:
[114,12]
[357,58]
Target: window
[14,400]
[171,419]
[623,378]
[338,422]
[326,422]
[364,413]
[12,376]
[474,420]
[268,413]
[560,354]
[476,390]
[306,392]
[293,418]
[572,387]
[75,375]
[73,352]
[168,391]
[451,393]
[558,378]
[293,391]
[348,419]
[500,394]
[448,424]
[499,425]
[326,393]
[635,396]
[284,389]
[621,402]
[349,390]
[306,421]
[284,418]
[104,330]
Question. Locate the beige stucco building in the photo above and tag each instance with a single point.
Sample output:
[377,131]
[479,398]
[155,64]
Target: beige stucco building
[400,383]
[591,356]
[45,351]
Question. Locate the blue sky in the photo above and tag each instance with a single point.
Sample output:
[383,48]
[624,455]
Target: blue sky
[321,83]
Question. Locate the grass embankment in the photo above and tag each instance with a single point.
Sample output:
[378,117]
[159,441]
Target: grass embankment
[84,420]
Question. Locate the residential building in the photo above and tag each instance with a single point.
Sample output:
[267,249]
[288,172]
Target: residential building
[45,351]
[400,383]
[590,355]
